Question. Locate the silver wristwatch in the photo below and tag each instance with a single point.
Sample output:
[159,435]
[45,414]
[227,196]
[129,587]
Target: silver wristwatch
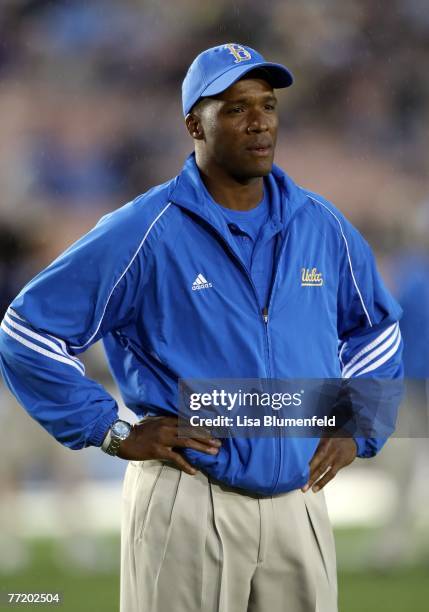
[119,431]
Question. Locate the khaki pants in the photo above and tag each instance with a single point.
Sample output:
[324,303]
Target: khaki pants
[193,545]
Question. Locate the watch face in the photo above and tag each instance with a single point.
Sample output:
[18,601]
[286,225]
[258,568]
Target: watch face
[121,429]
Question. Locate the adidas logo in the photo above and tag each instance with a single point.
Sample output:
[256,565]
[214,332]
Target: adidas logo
[200,283]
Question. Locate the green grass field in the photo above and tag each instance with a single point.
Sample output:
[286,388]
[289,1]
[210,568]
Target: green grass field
[405,590]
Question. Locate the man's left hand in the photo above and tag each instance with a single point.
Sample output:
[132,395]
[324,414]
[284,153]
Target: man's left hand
[331,455]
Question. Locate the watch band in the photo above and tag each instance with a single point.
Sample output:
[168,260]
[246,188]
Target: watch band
[106,441]
[113,447]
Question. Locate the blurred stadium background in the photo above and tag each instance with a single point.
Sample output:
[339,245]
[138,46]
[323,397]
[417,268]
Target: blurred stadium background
[90,116]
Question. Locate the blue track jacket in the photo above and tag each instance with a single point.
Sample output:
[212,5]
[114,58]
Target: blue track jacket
[130,282]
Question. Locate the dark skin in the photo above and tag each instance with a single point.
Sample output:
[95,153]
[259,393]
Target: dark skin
[158,438]
[235,135]
[332,454]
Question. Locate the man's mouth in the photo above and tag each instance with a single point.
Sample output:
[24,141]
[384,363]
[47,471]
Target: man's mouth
[260,150]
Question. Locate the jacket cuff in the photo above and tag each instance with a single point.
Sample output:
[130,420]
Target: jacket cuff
[99,432]
[369,447]
[363,449]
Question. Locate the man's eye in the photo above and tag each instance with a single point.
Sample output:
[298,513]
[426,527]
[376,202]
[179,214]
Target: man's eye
[236,109]
[270,106]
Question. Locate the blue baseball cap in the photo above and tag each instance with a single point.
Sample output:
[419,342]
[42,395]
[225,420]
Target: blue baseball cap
[215,69]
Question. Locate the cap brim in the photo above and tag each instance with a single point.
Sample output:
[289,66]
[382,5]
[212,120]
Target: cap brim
[277,75]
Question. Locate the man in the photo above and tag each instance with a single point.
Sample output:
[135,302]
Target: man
[229,270]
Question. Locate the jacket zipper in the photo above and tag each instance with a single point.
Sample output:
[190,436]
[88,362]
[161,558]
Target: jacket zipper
[265,315]
[266,340]
[277,440]
[264,320]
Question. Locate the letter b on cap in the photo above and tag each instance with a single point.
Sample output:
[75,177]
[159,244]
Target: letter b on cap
[240,53]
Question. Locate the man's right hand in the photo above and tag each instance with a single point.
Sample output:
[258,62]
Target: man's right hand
[157,437]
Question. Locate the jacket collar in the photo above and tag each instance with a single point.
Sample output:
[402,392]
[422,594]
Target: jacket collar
[188,191]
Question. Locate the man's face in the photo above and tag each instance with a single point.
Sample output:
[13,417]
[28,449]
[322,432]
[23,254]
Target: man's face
[239,128]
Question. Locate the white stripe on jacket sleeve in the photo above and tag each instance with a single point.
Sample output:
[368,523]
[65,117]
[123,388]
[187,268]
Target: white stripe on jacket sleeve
[17,332]
[369,347]
[382,359]
[61,349]
[394,338]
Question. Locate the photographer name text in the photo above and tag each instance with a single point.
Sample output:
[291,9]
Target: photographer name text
[266,421]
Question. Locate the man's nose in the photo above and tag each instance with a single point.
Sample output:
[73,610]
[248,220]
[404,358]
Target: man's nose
[258,123]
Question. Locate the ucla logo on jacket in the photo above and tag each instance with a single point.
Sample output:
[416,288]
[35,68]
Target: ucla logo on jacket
[311,277]
[240,53]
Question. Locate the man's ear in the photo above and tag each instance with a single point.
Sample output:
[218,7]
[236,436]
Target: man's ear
[194,127]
